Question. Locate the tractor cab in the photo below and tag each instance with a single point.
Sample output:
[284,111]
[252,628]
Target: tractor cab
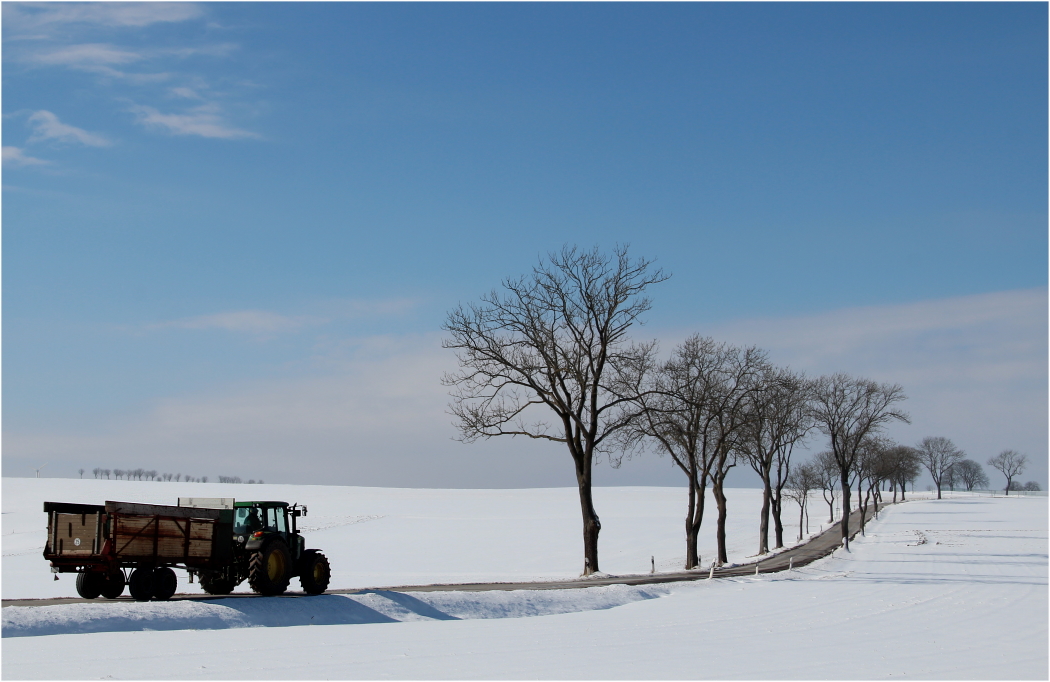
[257,523]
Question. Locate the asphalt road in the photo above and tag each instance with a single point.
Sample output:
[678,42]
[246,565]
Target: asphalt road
[820,546]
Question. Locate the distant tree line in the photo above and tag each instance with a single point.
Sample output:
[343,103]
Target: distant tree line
[152,475]
[548,357]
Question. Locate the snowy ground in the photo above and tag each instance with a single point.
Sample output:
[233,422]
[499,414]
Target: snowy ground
[945,589]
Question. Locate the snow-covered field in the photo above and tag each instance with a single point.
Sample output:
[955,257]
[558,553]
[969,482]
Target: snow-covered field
[955,588]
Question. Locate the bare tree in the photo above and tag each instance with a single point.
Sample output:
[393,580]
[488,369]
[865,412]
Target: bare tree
[1032,487]
[554,341]
[828,479]
[204,479]
[118,473]
[96,472]
[81,472]
[970,474]
[801,481]
[939,454]
[106,472]
[1009,463]
[779,419]
[904,467]
[848,409]
[691,408]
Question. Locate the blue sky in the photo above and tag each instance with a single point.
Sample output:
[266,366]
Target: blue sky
[231,231]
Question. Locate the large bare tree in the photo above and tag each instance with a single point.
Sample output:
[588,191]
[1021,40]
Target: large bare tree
[548,358]
[939,454]
[971,474]
[779,419]
[1010,463]
[848,409]
[690,407]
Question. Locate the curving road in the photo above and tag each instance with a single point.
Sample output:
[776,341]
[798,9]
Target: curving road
[816,548]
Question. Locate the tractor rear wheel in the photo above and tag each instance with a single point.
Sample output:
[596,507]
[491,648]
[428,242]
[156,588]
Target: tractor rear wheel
[314,572]
[113,585]
[216,584]
[164,583]
[89,585]
[268,569]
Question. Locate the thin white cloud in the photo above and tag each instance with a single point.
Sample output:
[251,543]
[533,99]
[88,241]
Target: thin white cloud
[185,93]
[33,15]
[248,321]
[204,121]
[14,156]
[47,127]
[87,56]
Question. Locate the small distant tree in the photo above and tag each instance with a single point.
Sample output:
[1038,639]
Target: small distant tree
[939,454]
[801,481]
[97,471]
[1009,463]
[970,474]
[178,477]
[904,468]
[204,479]
[81,472]
[106,472]
[119,473]
[827,472]
[1032,487]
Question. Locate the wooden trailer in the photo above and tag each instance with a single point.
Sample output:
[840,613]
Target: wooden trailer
[102,543]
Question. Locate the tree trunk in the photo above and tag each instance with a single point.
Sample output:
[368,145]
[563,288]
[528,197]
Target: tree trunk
[801,513]
[763,523]
[591,525]
[720,500]
[778,523]
[845,510]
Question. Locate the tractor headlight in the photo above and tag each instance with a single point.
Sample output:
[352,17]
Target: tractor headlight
[240,539]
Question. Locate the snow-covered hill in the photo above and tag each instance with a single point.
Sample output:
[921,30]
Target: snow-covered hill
[955,588]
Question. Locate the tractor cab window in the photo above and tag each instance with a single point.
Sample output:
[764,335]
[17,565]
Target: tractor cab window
[275,520]
[246,520]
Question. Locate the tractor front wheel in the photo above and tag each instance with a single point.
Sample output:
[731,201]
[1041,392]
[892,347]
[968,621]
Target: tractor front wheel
[89,584]
[268,569]
[315,572]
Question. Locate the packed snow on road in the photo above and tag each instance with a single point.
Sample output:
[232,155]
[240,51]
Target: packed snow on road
[955,588]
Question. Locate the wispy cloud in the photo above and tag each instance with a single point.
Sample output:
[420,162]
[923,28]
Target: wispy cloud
[14,156]
[47,127]
[204,121]
[36,15]
[249,321]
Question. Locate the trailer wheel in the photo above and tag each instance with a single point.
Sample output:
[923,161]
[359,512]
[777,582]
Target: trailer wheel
[113,585]
[268,569]
[164,583]
[315,572]
[216,584]
[89,585]
[140,584]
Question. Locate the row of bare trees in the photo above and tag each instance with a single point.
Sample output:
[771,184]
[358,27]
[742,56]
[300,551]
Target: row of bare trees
[549,358]
[152,475]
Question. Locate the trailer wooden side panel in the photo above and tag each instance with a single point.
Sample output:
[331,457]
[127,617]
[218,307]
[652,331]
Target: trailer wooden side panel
[74,535]
[162,538]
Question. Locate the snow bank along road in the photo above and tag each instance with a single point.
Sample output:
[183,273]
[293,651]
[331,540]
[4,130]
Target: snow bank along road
[802,554]
[955,588]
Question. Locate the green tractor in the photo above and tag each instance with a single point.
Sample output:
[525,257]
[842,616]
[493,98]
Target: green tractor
[268,551]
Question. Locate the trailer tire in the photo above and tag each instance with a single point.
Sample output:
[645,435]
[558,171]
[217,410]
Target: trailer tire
[314,572]
[113,585]
[89,584]
[268,569]
[164,583]
[216,584]
[140,584]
